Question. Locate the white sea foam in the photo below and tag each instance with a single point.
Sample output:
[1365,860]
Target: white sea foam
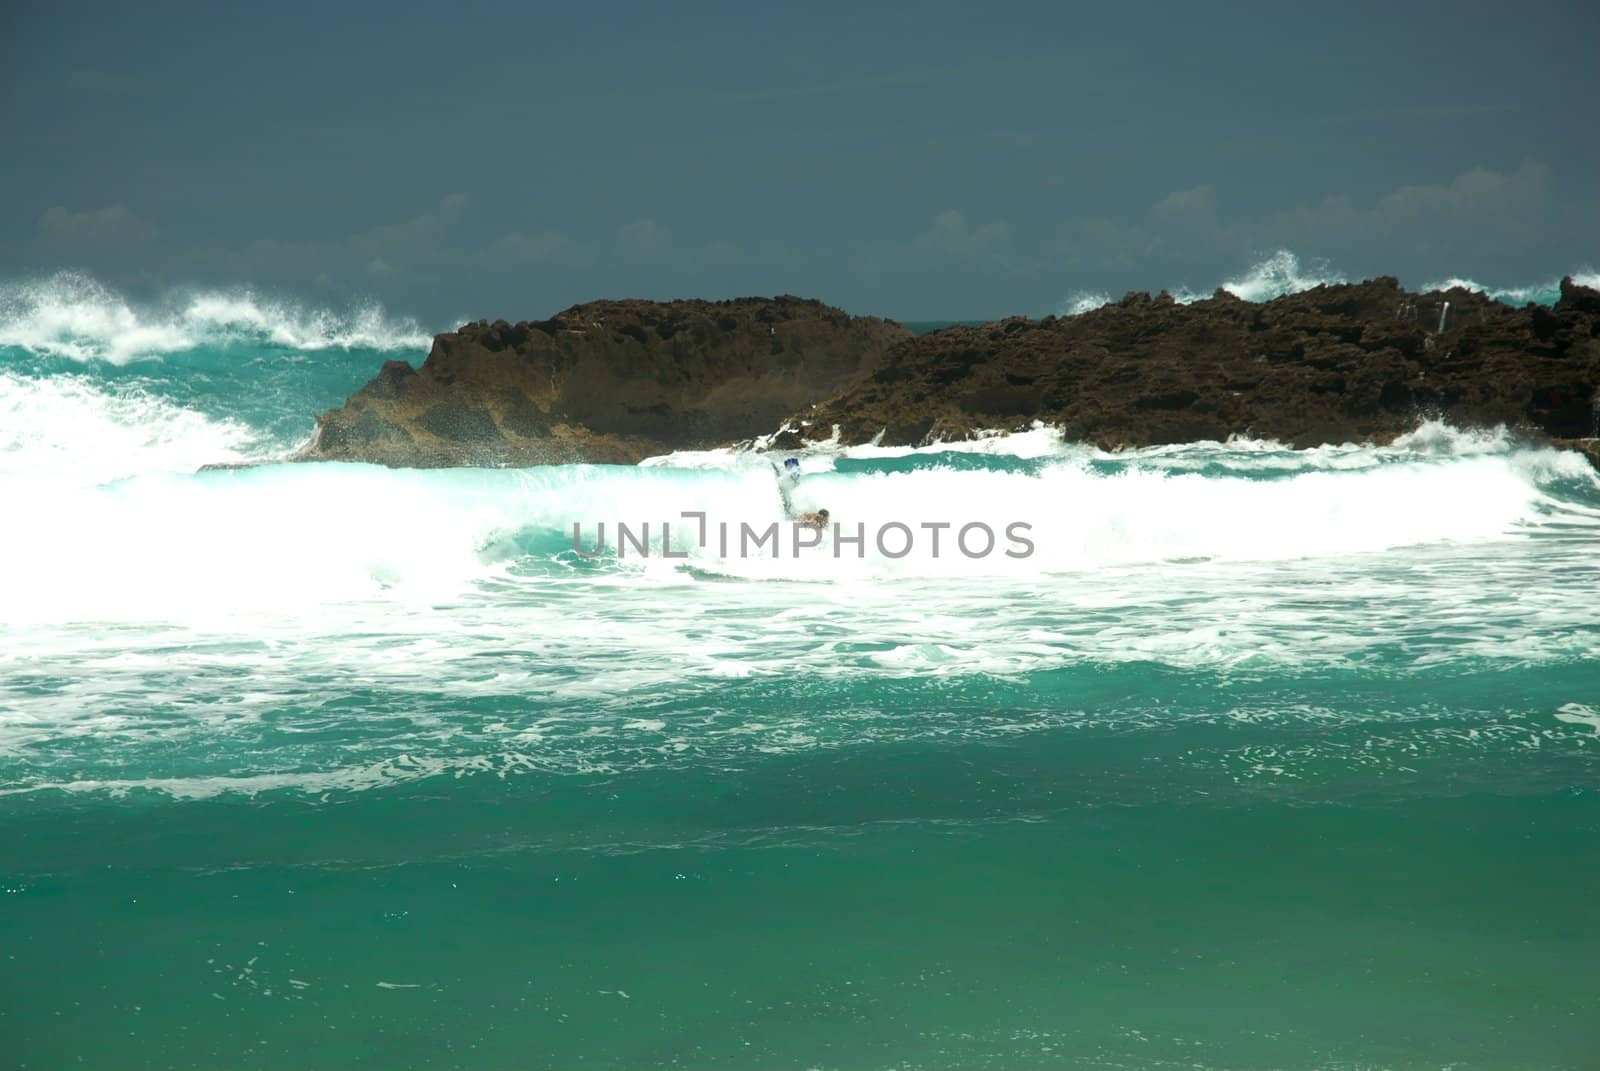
[1273,276]
[72,430]
[1580,714]
[1279,274]
[1541,293]
[160,546]
[176,632]
[1545,293]
[72,315]
[1284,273]
[1081,519]
[1431,439]
[1082,301]
[1041,440]
[612,670]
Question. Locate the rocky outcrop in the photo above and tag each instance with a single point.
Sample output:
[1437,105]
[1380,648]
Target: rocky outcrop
[1342,363]
[616,381]
[609,381]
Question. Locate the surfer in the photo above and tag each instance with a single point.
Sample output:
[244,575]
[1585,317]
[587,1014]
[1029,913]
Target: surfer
[788,476]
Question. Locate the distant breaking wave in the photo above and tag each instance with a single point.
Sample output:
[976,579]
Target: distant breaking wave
[1279,274]
[1545,293]
[1083,301]
[72,315]
[1283,273]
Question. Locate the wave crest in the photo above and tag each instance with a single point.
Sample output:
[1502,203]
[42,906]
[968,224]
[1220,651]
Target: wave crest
[75,316]
[1277,275]
[1274,276]
[285,537]
[1545,293]
[1284,273]
[114,432]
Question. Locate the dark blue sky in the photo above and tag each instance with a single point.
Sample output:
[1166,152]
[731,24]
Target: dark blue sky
[916,160]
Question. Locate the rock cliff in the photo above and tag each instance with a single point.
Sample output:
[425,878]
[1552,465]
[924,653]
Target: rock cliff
[608,381]
[1333,364]
[615,381]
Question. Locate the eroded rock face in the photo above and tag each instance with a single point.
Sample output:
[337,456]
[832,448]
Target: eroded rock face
[1357,362]
[608,381]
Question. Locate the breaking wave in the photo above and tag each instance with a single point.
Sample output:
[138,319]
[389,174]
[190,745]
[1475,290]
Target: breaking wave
[1276,275]
[287,536]
[452,602]
[73,315]
[1083,301]
[1284,273]
[1545,293]
[71,430]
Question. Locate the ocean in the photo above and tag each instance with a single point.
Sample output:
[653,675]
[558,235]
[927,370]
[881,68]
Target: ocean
[1257,758]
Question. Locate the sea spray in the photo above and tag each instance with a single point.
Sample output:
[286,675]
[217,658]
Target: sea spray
[1284,273]
[1273,276]
[70,430]
[1545,293]
[290,536]
[75,316]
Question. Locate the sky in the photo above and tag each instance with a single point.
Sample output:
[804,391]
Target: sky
[920,161]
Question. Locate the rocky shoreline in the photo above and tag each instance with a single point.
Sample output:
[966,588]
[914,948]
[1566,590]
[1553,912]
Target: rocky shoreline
[616,381]
[607,381]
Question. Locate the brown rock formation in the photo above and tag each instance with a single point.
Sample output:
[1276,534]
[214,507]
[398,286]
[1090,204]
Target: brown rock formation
[1340,363]
[609,381]
[615,381]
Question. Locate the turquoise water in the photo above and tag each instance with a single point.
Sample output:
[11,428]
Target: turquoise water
[1262,759]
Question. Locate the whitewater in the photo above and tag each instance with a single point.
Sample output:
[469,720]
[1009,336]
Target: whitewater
[1262,757]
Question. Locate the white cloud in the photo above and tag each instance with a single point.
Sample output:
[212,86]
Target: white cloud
[519,248]
[113,224]
[451,205]
[644,238]
[1474,211]
[415,238]
[950,235]
[1184,223]
[1185,204]
[1473,200]
[1472,192]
